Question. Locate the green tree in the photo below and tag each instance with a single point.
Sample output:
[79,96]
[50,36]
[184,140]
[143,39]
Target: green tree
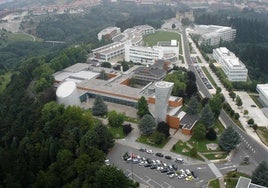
[142,107]
[163,127]
[106,64]
[147,124]
[103,75]
[229,139]
[191,88]
[238,101]
[173,26]
[111,177]
[207,117]
[199,132]
[211,134]
[215,104]
[260,174]
[158,137]
[99,107]
[193,152]
[232,95]
[193,106]
[251,121]
[98,137]
[127,128]
[255,127]
[116,119]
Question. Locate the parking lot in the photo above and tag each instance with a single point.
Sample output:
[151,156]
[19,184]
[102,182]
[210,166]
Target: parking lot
[158,171]
[203,77]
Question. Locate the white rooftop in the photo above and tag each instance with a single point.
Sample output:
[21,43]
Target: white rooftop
[263,88]
[164,84]
[65,89]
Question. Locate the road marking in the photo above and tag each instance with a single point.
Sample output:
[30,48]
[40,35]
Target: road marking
[227,167]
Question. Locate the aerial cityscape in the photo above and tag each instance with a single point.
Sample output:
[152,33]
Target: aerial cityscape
[134,93]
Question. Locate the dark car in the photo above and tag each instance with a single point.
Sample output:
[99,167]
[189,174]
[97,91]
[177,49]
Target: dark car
[170,172]
[142,149]
[175,167]
[193,174]
[164,170]
[168,157]
[153,167]
[159,155]
[147,165]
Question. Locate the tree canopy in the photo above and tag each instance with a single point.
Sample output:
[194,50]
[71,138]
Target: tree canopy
[99,107]
[229,139]
[116,119]
[260,174]
[147,124]
[207,117]
[142,107]
[193,106]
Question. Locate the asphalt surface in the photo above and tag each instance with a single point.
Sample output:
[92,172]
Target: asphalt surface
[154,178]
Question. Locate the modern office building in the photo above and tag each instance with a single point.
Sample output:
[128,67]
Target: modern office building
[234,69]
[213,34]
[108,33]
[162,93]
[141,54]
[109,51]
[244,182]
[262,89]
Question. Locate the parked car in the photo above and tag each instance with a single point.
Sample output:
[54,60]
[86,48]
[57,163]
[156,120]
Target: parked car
[142,149]
[159,155]
[168,157]
[175,167]
[164,170]
[149,151]
[179,160]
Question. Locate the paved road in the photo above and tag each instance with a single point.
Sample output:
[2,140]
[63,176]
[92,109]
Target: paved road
[248,146]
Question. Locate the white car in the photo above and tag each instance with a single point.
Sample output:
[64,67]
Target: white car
[149,151]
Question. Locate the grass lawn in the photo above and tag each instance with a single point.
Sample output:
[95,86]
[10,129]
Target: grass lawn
[181,148]
[213,156]
[117,132]
[181,58]
[209,76]
[147,140]
[214,183]
[263,134]
[255,99]
[131,119]
[4,80]
[152,39]
[231,178]
[14,37]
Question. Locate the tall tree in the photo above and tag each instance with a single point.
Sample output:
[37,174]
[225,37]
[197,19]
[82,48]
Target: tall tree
[99,107]
[238,101]
[163,127]
[147,124]
[142,107]
[207,117]
[98,137]
[232,95]
[216,105]
[260,174]
[191,88]
[199,132]
[116,119]
[111,177]
[193,106]
[229,139]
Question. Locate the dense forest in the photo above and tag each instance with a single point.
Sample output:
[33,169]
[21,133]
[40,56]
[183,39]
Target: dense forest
[251,42]
[84,28]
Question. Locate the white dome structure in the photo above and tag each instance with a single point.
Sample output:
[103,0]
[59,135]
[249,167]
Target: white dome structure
[67,94]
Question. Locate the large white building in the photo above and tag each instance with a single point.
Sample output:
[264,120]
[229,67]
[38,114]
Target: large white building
[165,50]
[109,51]
[141,54]
[67,94]
[213,34]
[234,69]
[262,89]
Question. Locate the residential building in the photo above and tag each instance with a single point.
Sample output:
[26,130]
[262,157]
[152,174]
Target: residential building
[213,34]
[234,69]
[262,89]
